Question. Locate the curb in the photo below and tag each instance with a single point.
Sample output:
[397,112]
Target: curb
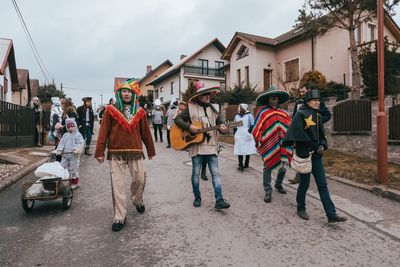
[14,178]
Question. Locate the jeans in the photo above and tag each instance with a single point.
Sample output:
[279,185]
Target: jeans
[159,128]
[212,161]
[88,135]
[267,179]
[168,137]
[318,172]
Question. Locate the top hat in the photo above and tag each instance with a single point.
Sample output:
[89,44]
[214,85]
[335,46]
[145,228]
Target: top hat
[312,94]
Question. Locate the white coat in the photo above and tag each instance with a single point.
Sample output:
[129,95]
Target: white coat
[244,141]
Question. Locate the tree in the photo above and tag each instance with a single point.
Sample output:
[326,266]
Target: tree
[369,70]
[236,95]
[47,91]
[317,17]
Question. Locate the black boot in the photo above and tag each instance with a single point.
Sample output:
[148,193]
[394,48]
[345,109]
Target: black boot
[240,167]
[87,151]
[247,161]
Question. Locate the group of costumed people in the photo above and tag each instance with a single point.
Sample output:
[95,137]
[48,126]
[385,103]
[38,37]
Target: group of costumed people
[272,134]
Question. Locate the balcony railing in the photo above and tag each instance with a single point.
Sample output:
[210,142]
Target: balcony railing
[204,71]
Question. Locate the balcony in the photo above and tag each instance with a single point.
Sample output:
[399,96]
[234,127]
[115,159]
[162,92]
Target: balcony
[219,73]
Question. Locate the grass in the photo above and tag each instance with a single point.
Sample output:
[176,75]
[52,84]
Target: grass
[355,168]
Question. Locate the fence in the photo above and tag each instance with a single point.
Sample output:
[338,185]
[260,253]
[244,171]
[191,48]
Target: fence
[17,126]
[352,116]
[394,123]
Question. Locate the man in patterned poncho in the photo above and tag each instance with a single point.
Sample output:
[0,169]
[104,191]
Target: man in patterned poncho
[270,128]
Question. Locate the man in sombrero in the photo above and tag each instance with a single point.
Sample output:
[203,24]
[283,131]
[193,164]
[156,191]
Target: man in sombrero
[123,130]
[270,128]
[200,109]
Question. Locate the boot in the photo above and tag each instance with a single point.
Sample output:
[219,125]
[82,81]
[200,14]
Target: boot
[246,163]
[240,167]
[87,151]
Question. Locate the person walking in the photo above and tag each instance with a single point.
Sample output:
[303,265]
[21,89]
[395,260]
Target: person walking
[201,111]
[307,134]
[323,111]
[123,130]
[270,128]
[158,123]
[101,112]
[170,119]
[37,108]
[86,122]
[244,141]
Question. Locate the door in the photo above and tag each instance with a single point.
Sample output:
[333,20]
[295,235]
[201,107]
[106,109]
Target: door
[267,79]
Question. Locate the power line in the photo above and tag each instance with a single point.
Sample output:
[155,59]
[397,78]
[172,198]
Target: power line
[31,42]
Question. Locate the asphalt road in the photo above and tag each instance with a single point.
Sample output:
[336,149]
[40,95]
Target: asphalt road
[173,233]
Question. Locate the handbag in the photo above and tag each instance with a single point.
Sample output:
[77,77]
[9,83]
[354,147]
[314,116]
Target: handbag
[301,165]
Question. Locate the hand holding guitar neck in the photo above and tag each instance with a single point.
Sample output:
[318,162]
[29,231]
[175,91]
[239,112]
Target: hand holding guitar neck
[223,128]
[194,129]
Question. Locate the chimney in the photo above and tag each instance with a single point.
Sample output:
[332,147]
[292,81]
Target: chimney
[183,56]
[148,68]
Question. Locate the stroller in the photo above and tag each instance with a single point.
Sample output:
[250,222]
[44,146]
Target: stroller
[54,182]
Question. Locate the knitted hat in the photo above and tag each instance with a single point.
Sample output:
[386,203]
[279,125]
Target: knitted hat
[200,90]
[244,106]
[262,99]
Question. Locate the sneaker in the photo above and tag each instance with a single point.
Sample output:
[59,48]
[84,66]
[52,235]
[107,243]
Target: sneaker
[197,201]
[117,226]
[303,214]
[267,199]
[140,208]
[337,218]
[168,146]
[222,204]
[280,189]
[204,177]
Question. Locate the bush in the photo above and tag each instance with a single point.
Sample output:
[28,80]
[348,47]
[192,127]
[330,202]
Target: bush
[338,90]
[313,77]
[236,95]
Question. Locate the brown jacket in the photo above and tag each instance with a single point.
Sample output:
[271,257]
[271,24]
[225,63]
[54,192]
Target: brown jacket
[124,139]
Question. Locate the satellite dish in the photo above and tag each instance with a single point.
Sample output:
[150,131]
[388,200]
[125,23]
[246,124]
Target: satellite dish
[157,102]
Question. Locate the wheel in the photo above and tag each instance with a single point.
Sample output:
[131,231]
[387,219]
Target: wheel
[27,204]
[67,201]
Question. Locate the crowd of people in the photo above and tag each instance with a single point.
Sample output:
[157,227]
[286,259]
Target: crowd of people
[125,130]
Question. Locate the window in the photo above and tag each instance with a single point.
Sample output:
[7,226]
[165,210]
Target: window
[242,52]
[203,64]
[161,89]
[246,71]
[292,70]
[219,64]
[357,35]
[172,88]
[156,94]
[222,85]
[1,93]
[371,32]
[239,80]
[162,99]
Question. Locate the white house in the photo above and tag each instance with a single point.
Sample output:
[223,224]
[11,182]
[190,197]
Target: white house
[8,71]
[204,65]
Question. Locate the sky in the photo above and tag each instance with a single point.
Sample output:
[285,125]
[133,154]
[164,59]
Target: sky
[85,44]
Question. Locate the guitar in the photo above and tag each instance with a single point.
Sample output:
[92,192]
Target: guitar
[181,139]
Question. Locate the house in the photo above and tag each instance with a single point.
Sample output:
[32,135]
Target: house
[146,88]
[23,95]
[261,61]
[34,87]
[8,70]
[204,65]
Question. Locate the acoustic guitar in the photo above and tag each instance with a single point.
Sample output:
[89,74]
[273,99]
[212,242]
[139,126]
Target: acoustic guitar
[181,139]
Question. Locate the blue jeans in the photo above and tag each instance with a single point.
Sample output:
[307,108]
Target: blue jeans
[267,179]
[88,135]
[318,172]
[212,162]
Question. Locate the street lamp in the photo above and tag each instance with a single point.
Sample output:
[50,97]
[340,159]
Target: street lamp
[381,126]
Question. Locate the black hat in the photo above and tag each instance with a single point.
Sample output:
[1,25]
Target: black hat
[88,98]
[312,94]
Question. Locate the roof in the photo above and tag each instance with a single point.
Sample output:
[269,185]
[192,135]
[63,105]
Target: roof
[176,68]
[7,56]
[166,62]
[23,76]
[34,87]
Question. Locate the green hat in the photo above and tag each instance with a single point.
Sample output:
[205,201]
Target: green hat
[262,99]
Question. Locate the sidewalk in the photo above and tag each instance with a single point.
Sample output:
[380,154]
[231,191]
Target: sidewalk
[15,164]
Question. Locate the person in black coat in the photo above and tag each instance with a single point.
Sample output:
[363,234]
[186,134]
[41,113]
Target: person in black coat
[306,132]
[86,121]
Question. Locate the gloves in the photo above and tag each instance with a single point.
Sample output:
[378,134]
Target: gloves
[320,149]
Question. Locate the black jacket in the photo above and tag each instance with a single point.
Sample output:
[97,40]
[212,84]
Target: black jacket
[323,110]
[82,119]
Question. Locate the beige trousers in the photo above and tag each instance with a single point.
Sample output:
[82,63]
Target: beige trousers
[117,172]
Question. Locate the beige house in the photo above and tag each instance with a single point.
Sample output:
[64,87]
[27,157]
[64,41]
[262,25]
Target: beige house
[204,65]
[8,70]
[146,88]
[260,61]
[23,95]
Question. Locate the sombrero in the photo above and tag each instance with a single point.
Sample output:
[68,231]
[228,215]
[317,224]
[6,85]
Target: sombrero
[262,99]
[200,90]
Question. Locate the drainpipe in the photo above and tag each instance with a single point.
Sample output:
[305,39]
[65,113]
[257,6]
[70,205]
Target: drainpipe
[312,52]
[179,95]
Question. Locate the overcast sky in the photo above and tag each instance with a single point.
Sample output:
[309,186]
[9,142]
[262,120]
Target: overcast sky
[85,44]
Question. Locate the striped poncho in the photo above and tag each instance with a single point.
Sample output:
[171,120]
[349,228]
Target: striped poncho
[270,128]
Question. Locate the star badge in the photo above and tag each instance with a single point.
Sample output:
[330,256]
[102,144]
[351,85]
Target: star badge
[309,122]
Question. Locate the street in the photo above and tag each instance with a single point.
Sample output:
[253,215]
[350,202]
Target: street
[173,233]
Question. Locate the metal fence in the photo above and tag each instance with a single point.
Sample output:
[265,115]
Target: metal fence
[17,126]
[352,116]
[394,123]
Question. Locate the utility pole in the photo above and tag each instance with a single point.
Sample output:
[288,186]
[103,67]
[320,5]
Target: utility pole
[61,87]
[381,126]
[101,99]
